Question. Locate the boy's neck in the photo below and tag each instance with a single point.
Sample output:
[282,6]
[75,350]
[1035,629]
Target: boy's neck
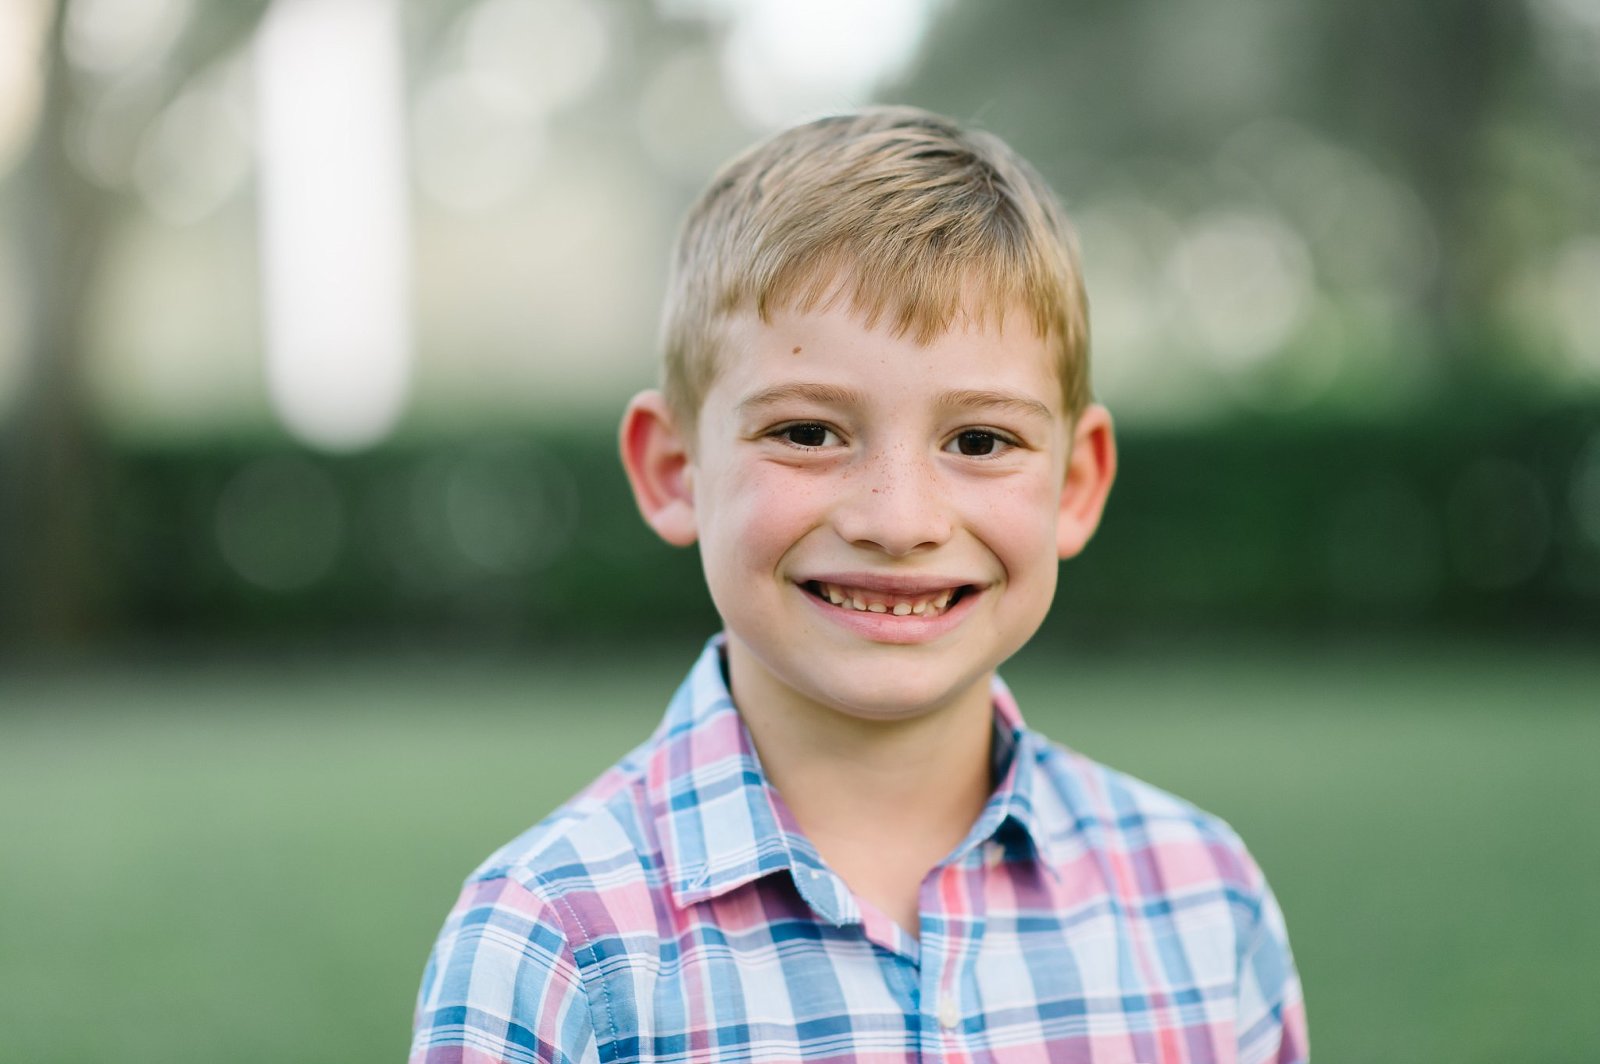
[883,801]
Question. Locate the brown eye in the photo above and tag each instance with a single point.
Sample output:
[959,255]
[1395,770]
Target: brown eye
[976,444]
[806,435]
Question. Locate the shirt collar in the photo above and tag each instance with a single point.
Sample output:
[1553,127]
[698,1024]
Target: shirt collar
[1017,752]
[721,825]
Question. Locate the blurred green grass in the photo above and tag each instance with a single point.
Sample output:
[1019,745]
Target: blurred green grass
[248,862]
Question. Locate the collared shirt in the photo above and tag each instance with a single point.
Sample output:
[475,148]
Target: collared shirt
[674,912]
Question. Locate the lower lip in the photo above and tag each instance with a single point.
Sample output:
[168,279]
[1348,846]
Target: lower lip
[892,628]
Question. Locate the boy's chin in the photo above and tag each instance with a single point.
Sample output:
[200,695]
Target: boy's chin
[893,696]
[868,682]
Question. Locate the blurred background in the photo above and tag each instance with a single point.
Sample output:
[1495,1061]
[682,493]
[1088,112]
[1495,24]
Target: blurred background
[316,319]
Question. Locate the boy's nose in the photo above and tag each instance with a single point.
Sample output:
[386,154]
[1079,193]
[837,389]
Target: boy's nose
[895,505]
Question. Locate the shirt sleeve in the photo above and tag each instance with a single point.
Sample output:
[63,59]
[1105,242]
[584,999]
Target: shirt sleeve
[502,985]
[1271,1015]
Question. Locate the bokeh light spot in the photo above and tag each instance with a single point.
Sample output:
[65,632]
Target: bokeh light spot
[1574,287]
[489,513]
[785,61]
[508,511]
[108,36]
[472,155]
[198,152]
[280,523]
[684,122]
[535,56]
[1245,286]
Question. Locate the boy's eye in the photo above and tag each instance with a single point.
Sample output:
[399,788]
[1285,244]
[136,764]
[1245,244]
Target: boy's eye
[977,443]
[805,435]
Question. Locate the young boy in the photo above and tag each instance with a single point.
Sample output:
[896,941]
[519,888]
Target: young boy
[843,843]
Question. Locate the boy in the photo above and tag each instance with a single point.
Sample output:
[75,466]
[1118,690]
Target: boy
[843,843]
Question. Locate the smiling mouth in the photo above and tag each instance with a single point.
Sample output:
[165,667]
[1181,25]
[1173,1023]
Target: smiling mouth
[868,600]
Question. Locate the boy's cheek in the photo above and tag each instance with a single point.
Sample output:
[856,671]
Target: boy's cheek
[762,526]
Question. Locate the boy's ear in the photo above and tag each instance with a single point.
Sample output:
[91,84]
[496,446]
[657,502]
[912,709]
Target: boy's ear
[655,455]
[1091,468]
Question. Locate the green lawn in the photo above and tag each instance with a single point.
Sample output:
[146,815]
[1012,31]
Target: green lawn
[249,863]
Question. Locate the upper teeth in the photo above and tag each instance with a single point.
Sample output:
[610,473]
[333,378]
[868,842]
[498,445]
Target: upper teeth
[880,602]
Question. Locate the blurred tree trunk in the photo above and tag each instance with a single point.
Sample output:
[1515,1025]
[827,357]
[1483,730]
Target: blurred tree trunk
[54,458]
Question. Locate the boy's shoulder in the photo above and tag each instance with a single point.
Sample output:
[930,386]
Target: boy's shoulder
[1088,809]
[1117,799]
[606,823]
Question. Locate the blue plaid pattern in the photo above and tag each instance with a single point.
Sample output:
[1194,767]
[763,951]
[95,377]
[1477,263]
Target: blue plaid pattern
[674,912]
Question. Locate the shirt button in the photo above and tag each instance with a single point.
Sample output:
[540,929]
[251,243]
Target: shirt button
[949,1014]
[993,854]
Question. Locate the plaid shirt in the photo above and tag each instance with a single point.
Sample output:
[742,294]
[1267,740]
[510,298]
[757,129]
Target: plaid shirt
[674,912]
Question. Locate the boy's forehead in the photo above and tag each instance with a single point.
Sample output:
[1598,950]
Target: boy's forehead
[840,303]
[794,352]
[970,299]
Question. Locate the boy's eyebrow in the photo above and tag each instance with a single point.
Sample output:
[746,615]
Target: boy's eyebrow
[801,391]
[1019,404]
[833,395]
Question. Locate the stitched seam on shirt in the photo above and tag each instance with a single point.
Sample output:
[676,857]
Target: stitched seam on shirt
[560,901]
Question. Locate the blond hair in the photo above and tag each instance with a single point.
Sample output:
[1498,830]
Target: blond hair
[913,218]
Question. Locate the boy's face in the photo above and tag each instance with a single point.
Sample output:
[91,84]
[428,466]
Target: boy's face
[880,521]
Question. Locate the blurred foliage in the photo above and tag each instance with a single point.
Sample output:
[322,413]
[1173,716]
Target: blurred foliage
[1459,103]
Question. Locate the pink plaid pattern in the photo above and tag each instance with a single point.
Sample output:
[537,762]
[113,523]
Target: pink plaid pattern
[673,912]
